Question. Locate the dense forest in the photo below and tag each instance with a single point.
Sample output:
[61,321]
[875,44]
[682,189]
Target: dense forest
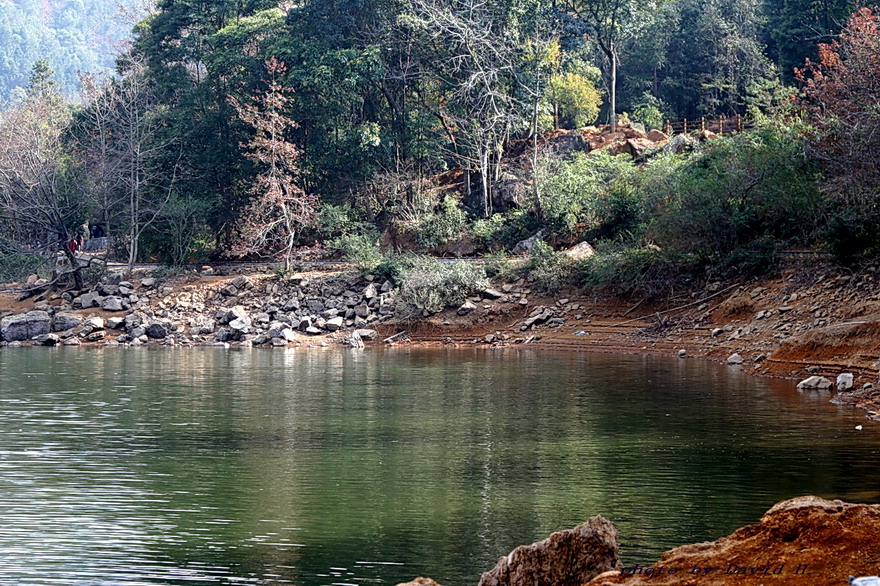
[73,36]
[249,127]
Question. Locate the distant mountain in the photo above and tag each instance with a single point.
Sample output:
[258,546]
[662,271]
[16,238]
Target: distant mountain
[72,35]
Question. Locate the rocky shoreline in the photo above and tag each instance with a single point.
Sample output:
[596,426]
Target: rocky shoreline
[257,310]
[812,324]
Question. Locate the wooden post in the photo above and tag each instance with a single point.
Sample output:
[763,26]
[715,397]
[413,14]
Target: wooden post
[702,123]
[720,126]
[739,123]
[685,126]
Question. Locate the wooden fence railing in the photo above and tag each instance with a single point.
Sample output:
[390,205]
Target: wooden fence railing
[727,125]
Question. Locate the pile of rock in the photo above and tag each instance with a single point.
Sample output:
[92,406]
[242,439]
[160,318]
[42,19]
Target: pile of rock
[111,294]
[264,311]
[551,316]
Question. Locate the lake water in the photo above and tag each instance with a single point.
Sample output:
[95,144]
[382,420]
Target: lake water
[212,466]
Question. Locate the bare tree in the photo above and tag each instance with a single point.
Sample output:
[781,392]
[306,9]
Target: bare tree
[280,208]
[127,151]
[477,62]
[39,194]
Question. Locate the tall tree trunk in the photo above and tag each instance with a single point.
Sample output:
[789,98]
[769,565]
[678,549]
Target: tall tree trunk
[536,193]
[613,56]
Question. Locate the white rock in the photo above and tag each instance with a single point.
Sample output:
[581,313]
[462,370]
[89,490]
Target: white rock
[819,383]
[844,382]
[734,359]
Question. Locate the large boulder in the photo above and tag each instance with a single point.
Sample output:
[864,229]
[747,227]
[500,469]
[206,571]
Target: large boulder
[655,135]
[112,304]
[580,251]
[814,383]
[566,558]
[17,328]
[510,192]
[65,321]
[157,331]
[526,246]
[566,144]
[682,143]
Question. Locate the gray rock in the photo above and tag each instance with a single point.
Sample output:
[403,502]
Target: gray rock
[354,341]
[681,143]
[90,299]
[735,359]
[157,331]
[362,310]
[814,383]
[148,282]
[112,304]
[334,324]
[241,324]
[491,293]
[242,283]
[526,246]
[466,308]
[367,334]
[845,382]
[48,340]
[370,291]
[580,251]
[18,328]
[566,558]
[387,286]
[288,334]
[65,321]
[313,331]
[95,322]
[114,323]
[237,312]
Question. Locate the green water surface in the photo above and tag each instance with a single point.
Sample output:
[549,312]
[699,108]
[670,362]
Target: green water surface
[212,466]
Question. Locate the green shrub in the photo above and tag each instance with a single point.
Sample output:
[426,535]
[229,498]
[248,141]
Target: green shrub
[575,193]
[338,220]
[650,111]
[17,267]
[641,271]
[361,250]
[499,266]
[548,269]
[575,99]
[428,285]
[756,185]
[505,230]
[439,226]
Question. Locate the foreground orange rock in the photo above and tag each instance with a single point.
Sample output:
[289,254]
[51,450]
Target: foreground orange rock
[807,540]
